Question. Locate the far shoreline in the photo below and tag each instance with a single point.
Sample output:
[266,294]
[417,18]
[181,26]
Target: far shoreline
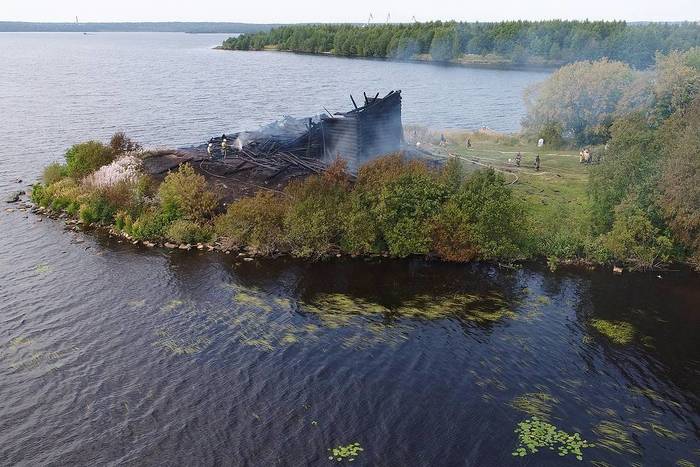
[505,65]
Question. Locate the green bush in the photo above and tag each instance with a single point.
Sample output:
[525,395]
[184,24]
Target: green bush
[313,223]
[57,196]
[184,231]
[552,134]
[256,221]
[635,240]
[184,194]
[84,158]
[361,232]
[96,208]
[53,173]
[38,195]
[482,219]
[405,208]
[151,224]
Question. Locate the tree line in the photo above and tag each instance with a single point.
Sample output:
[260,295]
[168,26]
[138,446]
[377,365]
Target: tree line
[643,125]
[520,42]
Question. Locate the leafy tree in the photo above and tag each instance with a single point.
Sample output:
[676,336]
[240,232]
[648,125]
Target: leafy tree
[406,206]
[635,240]
[631,165]
[184,194]
[581,97]
[680,181]
[84,158]
[482,220]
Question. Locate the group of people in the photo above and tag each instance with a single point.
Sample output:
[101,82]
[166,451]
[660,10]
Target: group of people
[224,147]
[519,159]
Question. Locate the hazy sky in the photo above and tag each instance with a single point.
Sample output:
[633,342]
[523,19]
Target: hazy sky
[288,11]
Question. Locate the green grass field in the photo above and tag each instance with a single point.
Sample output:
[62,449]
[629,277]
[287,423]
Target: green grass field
[556,197]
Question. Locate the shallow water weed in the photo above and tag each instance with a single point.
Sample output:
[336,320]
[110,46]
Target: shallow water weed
[136,303]
[283,302]
[180,346]
[663,432]
[250,300]
[534,434]
[171,305]
[618,332]
[261,343]
[684,463]
[19,341]
[543,300]
[537,404]
[481,316]
[42,268]
[349,452]
[344,304]
[614,437]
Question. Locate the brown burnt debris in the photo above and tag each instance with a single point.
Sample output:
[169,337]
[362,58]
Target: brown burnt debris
[240,164]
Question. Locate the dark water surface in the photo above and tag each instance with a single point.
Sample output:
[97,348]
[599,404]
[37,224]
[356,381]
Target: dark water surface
[114,354]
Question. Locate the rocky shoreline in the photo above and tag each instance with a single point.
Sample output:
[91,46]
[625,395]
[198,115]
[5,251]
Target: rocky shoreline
[242,252]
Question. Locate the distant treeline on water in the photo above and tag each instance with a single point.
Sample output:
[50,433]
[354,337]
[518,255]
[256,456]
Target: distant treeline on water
[515,42]
[201,27]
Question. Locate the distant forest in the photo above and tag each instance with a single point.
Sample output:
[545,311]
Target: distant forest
[516,42]
[17,26]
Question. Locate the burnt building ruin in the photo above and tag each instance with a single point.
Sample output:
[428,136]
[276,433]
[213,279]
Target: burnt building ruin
[364,132]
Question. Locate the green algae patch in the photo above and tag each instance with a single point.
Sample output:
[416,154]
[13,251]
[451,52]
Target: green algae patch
[19,341]
[543,300]
[618,332]
[536,404]
[336,309]
[136,303]
[614,437]
[481,316]
[476,308]
[535,434]
[684,463]
[42,268]
[344,304]
[172,305]
[663,432]
[261,343]
[180,346]
[249,300]
[349,452]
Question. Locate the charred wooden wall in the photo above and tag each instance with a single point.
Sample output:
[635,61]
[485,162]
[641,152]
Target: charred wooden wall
[365,132]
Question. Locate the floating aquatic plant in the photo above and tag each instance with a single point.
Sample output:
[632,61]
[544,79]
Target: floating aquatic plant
[19,341]
[349,452]
[42,268]
[543,300]
[614,437]
[171,305]
[684,463]
[618,332]
[535,434]
[180,346]
[662,431]
[537,404]
[250,300]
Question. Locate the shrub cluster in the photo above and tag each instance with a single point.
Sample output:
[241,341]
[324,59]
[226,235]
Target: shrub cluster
[106,185]
[395,206]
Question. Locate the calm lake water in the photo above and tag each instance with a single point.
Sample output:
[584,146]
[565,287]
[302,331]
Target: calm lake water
[115,354]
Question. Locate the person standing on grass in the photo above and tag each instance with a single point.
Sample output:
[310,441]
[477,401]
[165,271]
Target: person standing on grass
[518,158]
[537,162]
[224,146]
